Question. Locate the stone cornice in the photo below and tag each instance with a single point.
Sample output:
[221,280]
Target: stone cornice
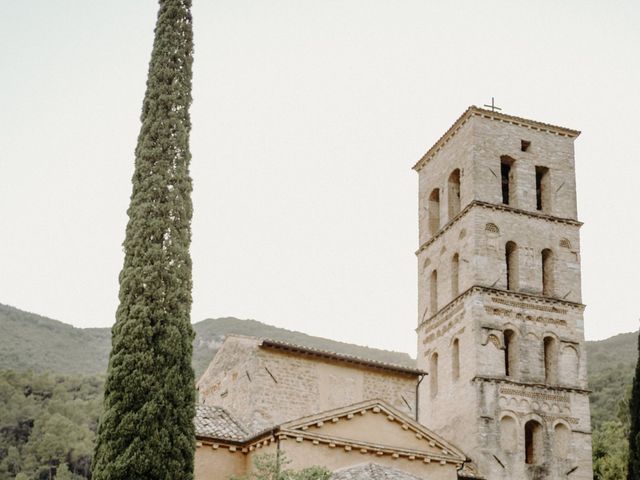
[502,208]
[500,292]
[501,117]
[557,388]
[371,448]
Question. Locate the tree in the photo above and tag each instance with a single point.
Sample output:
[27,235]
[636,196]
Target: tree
[146,430]
[633,472]
[272,467]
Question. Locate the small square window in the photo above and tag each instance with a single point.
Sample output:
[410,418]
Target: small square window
[524,145]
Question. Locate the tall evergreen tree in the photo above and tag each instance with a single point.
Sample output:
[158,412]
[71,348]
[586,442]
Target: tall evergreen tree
[633,472]
[146,430]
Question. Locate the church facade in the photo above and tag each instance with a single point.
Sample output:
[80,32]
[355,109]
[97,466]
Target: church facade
[498,389]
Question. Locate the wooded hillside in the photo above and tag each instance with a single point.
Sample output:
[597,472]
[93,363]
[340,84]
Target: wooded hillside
[51,387]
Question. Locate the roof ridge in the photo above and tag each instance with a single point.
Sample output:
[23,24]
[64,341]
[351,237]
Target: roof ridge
[268,342]
[477,111]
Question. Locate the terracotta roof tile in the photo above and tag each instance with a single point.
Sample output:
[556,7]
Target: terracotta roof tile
[372,471]
[216,422]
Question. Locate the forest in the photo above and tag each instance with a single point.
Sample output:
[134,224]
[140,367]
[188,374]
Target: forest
[52,377]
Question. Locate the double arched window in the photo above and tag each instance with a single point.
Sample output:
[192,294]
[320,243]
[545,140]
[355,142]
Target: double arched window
[452,192]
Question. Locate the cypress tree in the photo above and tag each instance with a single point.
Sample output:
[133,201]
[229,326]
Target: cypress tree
[146,430]
[634,427]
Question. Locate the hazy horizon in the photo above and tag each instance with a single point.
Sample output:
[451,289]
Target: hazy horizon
[307,118]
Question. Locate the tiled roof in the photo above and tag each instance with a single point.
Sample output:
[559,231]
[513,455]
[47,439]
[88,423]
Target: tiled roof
[372,471]
[341,356]
[216,422]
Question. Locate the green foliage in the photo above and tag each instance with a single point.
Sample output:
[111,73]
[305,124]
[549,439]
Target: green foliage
[634,425]
[32,342]
[146,430]
[273,467]
[47,422]
[611,365]
[610,445]
[611,369]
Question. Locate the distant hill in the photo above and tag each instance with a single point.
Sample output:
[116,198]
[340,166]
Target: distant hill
[32,342]
[611,365]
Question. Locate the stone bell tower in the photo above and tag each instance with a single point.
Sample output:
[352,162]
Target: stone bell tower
[500,327]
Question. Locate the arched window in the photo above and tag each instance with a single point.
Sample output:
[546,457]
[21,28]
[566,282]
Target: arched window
[510,353]
[454,193]
[433,374]
[550,359]
[433,292]
[455,269]
[547,273]
[511,258]
[455,359]
[434,211]
[508,433]
[532,442]
[506,175]
[561,440]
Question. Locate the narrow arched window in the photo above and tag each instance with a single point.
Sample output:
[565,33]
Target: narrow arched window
[510,353]
[454,193]
[455,359]
[550,360]
[434,211]
[433,374]
[455,276]
[532,442]
[511,258]
[561,440]
[547,273]
[433,292]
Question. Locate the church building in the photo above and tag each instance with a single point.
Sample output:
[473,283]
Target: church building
[499,386]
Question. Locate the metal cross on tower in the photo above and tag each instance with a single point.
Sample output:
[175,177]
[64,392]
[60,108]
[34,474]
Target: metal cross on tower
[492,106]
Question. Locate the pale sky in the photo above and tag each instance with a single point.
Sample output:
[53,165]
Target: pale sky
[307,118]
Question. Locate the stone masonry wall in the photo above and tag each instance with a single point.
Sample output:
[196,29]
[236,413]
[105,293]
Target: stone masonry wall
[537,329]
[263,387]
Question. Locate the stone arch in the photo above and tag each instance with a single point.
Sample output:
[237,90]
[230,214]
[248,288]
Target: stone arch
[565,243]
[433,292]
[570,365]
[550,358]
[426,263]
[548,272]
[491,228]
[561,439]
[453,193]
[512,264]
[509,432]
[455,275]
[533,442]
[433,374]
[434,211]
[455,359]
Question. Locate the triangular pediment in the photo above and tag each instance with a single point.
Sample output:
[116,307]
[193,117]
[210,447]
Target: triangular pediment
[374,426]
